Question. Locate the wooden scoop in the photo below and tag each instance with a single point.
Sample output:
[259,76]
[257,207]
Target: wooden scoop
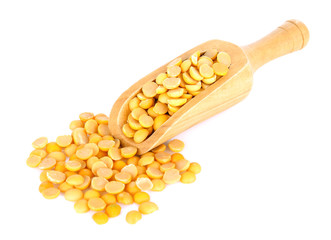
[293,35]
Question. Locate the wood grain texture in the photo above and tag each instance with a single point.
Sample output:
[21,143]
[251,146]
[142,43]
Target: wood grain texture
[226,92]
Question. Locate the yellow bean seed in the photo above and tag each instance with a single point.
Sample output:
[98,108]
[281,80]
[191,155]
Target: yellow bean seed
[98,183]
[220,69]
[175,93]
[160,148]
[149,89]
[137,112]
[160,78]
[206,71]
[113,210]
[73,195]
[108,198]
[185,66]
[223,57]
[145,160]
[40,143]
[142,97]
[79,136]
[176,145]
[47,163]
[64,141]
[123,177]
[144,183]
[161,89]
[114,187]
[73,165]
[85,184]
[163,157]
[101,118]
[33,161]
[70,150]
[171,176]
[145,104]
[115,153]
[188,177]
[195,58]
[105,173]
[163,98]
[192,88]
[86,116]
[211,53]
[100,218]
[194,73]
[103,130]
[141,135]
[159,120]
[134,103]
[39,152]
[133,217]
[171,83]
[43,176]
[124,198]
[105,145]
[50,193]
[154,164]
[187,79]
[91,126]
[173,108]
[146,121]
[44,185]
[182,165]
[63,187]
[158,185]
[133,123]
[96,204]
[81,206]
[58,156]
[75,179]
[176,156]
[195,168]
[141,197]
[118,165]
[128,152]
[76,124]
[86,172]
[91,193]
[166,166]
[173,71]
[205,60]
[53,147]
[175,62]
[128,131]
[108,161]
[147,207]
[153,172]
[178,101]
[209,80]
[132,188]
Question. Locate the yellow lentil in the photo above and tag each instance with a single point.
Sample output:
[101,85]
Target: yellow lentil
[100,218]
[79,136]
[47,163]
[108,198]
[73,195]
[50,193]
[141,197]
[40,143]
[33,161]
[194,168]
[75,179]
[147,207]
[158,185]
[124,198]
[176,145]
[133,217]
[114,187]
[91,193]
[188,177]
[53,147]
[73,165]
[81,206]
[113,210]
[99,183]
[96,204]
[171,176]
[64,141]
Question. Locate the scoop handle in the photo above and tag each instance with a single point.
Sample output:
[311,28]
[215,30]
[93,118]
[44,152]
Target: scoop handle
[293,35]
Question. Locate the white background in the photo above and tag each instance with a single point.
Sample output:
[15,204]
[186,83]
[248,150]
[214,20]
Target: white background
[266,161]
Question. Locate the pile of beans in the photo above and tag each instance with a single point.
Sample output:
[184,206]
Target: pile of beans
[162,97]
[91,169]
